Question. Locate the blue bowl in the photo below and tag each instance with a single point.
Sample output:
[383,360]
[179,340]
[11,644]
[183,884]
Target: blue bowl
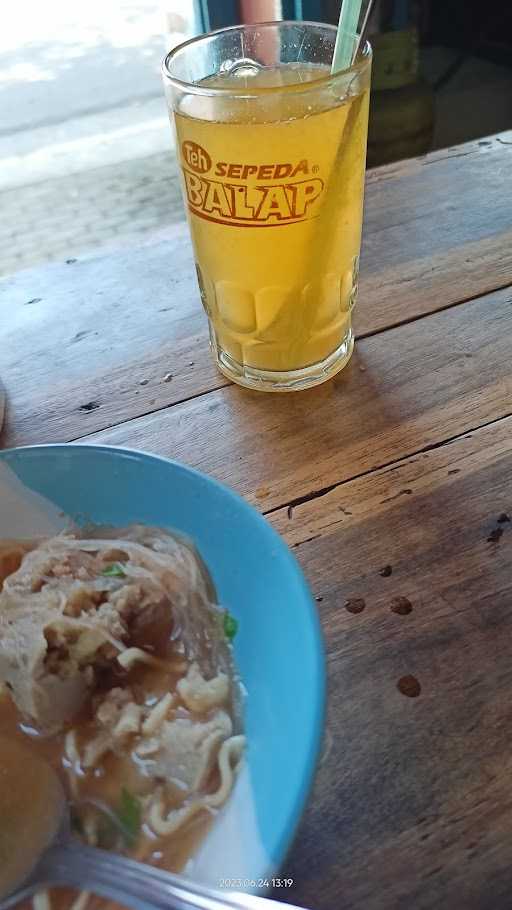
[278,648]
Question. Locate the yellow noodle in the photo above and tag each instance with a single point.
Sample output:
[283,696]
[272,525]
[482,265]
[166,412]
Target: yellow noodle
[158,714]
[90,829]
[73,757]
[165,825]
[41,901]
[95,749]
[131,656]
[80,902]
[231,748]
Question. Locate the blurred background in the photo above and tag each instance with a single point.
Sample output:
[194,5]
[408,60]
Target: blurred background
[86,157]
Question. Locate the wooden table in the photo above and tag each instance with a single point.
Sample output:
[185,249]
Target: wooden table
[392,484]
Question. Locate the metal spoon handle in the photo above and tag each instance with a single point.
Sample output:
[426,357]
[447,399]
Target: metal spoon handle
[364,26]
[136,885]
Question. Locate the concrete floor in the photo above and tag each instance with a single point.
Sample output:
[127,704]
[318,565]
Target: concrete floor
[85,143]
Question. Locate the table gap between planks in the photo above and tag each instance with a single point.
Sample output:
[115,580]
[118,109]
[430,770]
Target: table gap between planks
[392,484]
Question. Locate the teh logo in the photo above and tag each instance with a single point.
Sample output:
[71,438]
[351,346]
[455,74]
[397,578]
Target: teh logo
[196,157]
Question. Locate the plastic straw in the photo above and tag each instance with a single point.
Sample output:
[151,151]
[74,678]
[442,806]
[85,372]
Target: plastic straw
[345,38]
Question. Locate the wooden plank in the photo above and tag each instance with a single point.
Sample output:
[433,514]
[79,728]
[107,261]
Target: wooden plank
[90,332]
[406,389]
[423,237]
[402,291]
[80,340]
[412,806]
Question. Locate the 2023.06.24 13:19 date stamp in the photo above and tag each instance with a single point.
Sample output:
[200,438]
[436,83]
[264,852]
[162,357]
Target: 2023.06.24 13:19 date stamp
[235,884]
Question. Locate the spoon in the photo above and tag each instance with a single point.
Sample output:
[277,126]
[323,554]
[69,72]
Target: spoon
[37,851]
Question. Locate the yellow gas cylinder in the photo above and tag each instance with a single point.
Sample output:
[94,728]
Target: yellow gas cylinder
[402,103]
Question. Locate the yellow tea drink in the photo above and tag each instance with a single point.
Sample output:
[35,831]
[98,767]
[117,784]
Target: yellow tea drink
[273,161]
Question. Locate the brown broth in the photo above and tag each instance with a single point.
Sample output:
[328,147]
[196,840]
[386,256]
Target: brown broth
[115,771]
[11,554]
[170,852]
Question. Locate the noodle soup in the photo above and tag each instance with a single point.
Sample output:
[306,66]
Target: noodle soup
[116,667]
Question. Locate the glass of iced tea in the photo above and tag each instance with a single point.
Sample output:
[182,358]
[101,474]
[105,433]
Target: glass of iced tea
[272,150]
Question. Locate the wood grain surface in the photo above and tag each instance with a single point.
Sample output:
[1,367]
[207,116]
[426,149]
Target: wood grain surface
[91,343]
[406,389]
[412,806]
[392,484]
